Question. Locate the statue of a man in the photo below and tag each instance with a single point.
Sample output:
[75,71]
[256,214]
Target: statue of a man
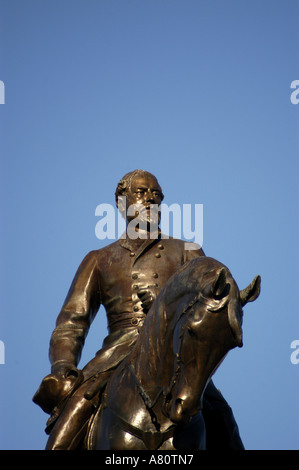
[125,277]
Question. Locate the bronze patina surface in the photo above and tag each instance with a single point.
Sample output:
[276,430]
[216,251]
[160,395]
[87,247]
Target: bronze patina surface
[173,314]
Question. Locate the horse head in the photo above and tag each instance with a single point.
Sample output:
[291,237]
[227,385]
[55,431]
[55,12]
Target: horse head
[209,326]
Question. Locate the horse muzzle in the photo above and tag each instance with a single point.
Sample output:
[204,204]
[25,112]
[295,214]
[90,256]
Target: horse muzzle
[181,409]
[177,414]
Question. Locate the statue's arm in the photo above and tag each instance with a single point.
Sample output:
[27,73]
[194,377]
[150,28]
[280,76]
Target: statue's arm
[78,311]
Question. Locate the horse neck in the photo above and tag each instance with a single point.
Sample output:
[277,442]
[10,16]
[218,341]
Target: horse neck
[152,357]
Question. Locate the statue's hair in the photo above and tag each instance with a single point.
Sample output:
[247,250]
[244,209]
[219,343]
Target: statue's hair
[125,183]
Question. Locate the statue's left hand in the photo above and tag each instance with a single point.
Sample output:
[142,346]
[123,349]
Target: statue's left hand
[147,297]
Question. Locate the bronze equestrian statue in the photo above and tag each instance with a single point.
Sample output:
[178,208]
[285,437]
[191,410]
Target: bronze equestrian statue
[140,282]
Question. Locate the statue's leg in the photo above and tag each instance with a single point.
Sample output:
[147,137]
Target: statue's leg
[70,428]
[191,436]
[221,426]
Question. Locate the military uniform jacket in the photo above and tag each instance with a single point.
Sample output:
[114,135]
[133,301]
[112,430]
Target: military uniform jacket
[111,277]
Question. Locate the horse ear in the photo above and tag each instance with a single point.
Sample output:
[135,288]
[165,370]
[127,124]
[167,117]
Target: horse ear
[220,286]
[250,293]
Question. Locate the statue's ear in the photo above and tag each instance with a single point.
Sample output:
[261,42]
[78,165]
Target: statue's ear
[251,292]
[220,287]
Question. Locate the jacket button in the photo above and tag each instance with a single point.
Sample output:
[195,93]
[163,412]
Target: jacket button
[136,308]
[161,247]
[158,255]
[155,275]
[134,321]
[135,276]
[132,254]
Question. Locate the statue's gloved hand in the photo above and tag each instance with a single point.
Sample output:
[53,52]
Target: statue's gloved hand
[147,297]
[55,387]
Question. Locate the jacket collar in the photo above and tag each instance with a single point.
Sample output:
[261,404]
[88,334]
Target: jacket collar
[137,246]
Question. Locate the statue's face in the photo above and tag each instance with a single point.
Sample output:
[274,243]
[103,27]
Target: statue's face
[145,190]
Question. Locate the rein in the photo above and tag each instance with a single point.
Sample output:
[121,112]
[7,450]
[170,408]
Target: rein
[147,401]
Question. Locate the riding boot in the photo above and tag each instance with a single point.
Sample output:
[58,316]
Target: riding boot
[69,430]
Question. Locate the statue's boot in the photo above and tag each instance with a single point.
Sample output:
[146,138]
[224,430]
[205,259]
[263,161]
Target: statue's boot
[70,428]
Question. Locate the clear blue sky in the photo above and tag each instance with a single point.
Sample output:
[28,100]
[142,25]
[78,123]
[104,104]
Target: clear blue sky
[195,91]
